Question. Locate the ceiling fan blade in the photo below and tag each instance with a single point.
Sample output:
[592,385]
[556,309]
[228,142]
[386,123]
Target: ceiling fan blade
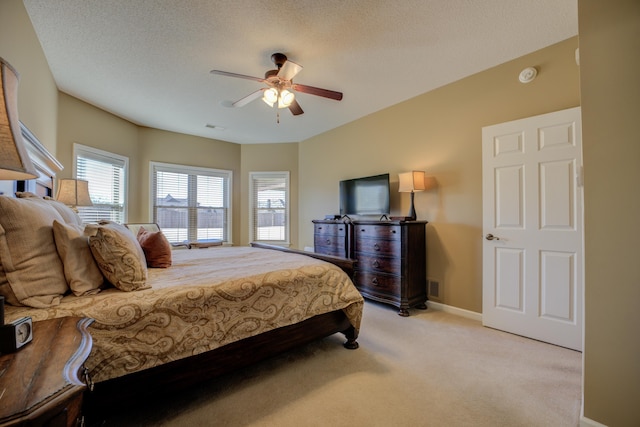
[326,93]
[241,76]
[295,108]
[289,70]
[247,99]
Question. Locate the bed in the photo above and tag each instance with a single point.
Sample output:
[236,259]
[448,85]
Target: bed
[211,311]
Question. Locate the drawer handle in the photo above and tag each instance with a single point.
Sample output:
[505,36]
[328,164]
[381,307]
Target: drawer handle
[375,281]
[363,230]
[340,229]
[376,247]
[328,241]
[319,228]
[376,263]
[393,231]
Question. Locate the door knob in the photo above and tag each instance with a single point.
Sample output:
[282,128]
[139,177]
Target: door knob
[491,237]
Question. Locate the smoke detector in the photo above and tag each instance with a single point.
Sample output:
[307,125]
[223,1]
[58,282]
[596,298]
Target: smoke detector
[527,75]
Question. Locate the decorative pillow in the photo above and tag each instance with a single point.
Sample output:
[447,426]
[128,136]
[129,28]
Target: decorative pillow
[156,248]
[118,254]
[69,216]
[31,273]
[80,269]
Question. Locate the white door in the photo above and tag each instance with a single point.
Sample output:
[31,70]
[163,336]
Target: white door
[532,227]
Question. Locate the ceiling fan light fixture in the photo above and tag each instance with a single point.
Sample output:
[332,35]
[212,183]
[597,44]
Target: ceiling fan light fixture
[280,88]
[286,98]
[270,96]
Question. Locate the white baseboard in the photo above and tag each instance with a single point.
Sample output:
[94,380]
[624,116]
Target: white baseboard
[586,422]
[455,310]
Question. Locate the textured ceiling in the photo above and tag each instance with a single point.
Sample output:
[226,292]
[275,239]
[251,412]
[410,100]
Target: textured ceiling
[148,61]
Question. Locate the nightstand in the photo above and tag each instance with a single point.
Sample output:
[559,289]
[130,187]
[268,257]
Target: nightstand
[41,384]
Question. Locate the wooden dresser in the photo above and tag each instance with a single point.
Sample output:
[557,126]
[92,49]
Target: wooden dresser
[40,384]
[391,258]
[333,237]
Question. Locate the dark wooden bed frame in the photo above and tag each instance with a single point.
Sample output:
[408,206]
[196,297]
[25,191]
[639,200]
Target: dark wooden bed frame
[103,397]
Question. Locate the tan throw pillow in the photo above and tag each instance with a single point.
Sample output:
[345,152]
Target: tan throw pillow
[69,216]
[31,272]
[156,248]
[80,269]
[118,255]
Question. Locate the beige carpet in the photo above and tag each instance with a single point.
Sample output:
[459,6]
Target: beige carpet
[430,369]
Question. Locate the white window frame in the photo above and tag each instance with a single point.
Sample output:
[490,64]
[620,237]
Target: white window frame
[253,176]
[86,151]
[185,169]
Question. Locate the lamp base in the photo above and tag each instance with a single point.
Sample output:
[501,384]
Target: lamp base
[412,210]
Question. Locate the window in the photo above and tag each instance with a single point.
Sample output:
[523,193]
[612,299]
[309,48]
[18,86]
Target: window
[107,175]
[191,203]
[269,207]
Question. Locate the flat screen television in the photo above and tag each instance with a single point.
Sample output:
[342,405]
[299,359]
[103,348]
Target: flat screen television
[365,196]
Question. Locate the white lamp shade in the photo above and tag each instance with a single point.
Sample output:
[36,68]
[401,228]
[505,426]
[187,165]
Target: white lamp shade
[15,163]
[411,182]
[74,192]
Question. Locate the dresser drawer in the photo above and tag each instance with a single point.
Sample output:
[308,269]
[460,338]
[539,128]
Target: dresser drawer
[377,283]
[379,263]
[387,232]
[328,240]
[330,250]
[333,238]
[330,230]
[378,246]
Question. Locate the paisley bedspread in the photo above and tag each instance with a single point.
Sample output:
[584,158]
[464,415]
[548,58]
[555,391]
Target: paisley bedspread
[206,299]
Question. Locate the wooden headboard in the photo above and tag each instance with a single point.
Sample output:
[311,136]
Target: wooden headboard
[46,165]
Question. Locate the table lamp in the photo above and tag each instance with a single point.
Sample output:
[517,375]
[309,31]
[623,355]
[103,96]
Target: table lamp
[410,182]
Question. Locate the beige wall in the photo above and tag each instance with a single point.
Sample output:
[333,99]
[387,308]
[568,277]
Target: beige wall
[610,66]
[79,122]
[82,123]
[169,147]
[438,132]
[37,91]
[269,157]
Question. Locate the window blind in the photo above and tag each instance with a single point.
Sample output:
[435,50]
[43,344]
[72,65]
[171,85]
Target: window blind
[191,203]
[269,221]
[107,177]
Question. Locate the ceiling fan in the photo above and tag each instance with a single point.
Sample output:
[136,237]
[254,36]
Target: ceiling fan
[280,86]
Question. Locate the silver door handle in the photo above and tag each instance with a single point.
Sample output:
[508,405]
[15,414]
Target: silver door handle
[491,237]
